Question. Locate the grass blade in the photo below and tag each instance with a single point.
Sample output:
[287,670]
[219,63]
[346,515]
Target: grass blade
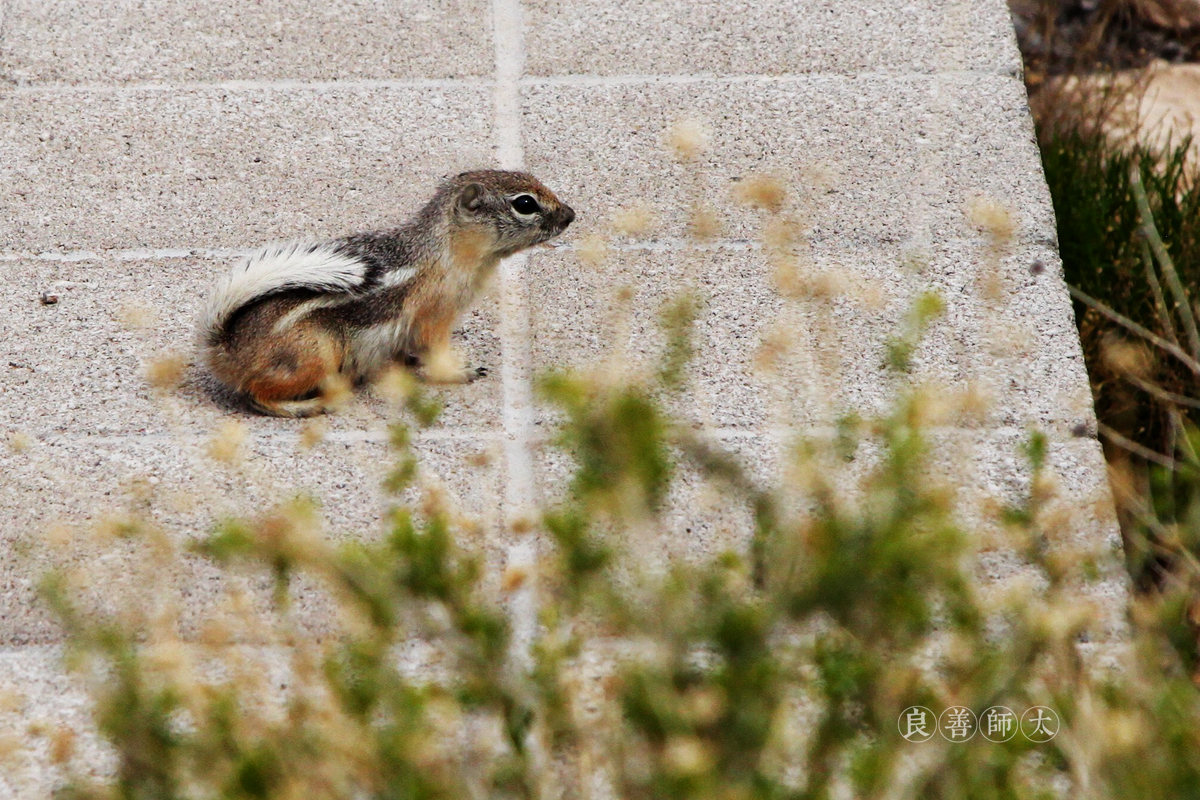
[1160,302]
[1125,322]
[1135,448]
[1182,301]
[1162,394]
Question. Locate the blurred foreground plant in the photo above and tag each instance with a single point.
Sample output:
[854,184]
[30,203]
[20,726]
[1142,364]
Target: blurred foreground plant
[786,667]
[647,680]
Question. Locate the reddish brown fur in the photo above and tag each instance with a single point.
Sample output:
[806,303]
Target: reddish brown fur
[270,384]
[279,368]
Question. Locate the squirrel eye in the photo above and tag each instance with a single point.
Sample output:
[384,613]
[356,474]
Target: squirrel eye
[525,204]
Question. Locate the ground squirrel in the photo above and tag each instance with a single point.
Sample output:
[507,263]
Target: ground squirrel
[295,320]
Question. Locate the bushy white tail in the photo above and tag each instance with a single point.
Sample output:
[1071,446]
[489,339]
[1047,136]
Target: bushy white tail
[279,267]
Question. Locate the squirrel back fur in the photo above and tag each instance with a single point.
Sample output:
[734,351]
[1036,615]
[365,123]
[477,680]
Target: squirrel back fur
[294,321]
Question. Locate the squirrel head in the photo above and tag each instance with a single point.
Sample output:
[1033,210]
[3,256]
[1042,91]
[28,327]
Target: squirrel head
[514,207]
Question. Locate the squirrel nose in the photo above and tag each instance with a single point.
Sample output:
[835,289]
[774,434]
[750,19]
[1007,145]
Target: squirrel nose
[567,215]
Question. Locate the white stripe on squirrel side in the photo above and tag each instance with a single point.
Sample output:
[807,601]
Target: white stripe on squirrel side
[283,265]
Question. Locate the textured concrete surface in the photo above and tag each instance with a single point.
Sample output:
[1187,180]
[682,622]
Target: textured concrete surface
[202,167]
[810,36]
[77,41]
[144,145]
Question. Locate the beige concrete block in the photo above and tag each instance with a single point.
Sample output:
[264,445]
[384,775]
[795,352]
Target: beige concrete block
[585,37]
[42,696]
[42,701]
[174,40]
[698,520]
[984,149]
[63,491]
[766,360]
[847,150]
[212,167]
[989,469]
[1008,333]
[985,470]
[579,321]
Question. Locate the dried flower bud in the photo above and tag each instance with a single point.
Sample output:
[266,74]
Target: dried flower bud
[136,316]
[11,701]
[336,390]
[991,285]
[395,384]
[829,283]
[514,577]
[782,233]
[165,372]
[1127,358]
[635,221]
[789,279]
[687,755]
[521,523]
[313,433]
[705,706]
[225,445]
[761,191]
[773,350]
[704,224]
[992,218]
[10,748]
[687,139]
[592,250]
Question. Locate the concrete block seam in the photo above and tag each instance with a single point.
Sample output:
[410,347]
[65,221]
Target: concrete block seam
[664,244]
[543,438]
[170,87]
[507,36]
[579,80]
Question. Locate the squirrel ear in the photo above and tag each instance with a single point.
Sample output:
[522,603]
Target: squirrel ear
[471,197]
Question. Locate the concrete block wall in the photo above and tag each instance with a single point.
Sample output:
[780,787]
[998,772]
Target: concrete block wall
[144,146]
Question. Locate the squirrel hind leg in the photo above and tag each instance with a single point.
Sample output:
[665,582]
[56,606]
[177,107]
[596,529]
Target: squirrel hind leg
[289,381]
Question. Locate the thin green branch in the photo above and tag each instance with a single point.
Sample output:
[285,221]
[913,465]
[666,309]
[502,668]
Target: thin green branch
[1182,302]
[1160,302]
[1135,448]
[1160,393]
[1189,451]
[1129,324]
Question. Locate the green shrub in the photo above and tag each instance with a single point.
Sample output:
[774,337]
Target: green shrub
[785,668]
[717,679]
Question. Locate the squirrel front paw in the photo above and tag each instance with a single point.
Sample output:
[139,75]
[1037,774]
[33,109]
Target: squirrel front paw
[446,366]
[460,375]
